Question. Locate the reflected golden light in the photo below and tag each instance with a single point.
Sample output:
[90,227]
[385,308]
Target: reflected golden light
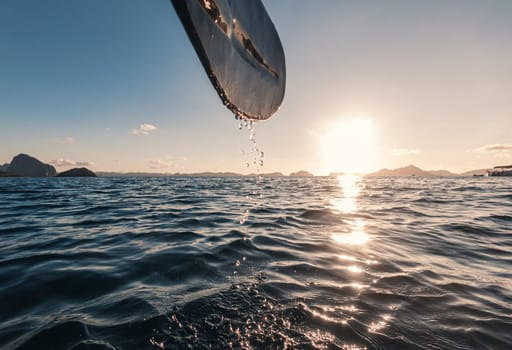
[377,326]
[354,268]
[358,285]
[356,237]
[350,146]
[350,185]
[350,308]
[347,257]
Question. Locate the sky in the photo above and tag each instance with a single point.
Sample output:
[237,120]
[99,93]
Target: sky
[115,85]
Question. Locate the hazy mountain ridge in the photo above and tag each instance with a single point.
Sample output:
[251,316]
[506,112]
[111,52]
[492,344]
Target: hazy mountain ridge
[412,170]
[38,168]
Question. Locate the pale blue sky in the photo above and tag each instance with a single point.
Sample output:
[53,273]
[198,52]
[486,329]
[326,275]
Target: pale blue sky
[434,77]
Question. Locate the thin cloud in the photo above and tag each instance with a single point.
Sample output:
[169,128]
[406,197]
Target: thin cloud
[495,148]
[399,152]
[144,129]
[160,164]
[68,140]
[167,162]
[61,162]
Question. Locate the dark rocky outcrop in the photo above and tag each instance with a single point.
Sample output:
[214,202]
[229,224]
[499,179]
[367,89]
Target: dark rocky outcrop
[77,172]
[3,168]
[6,174]
[25,165]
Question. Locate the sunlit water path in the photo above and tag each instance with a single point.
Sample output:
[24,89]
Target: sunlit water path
[322,263]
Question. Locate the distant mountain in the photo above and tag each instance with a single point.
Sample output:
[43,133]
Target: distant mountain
[441,173]
[3,168]
[411,170]
[474,172]
[301,173]
[77,172]
[25,165]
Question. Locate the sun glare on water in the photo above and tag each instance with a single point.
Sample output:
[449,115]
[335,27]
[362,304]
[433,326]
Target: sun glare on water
[350,146]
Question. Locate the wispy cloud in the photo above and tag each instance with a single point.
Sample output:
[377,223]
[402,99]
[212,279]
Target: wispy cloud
[496,148]
[160,164]
[68,140]
[167,162]
[61,162]
[399,152]
[144,129]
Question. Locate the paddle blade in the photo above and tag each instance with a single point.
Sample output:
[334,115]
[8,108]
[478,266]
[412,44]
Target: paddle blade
[241,52]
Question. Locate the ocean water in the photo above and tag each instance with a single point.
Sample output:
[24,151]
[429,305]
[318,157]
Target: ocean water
[320,263]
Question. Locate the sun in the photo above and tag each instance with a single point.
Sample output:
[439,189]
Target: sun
[349,146]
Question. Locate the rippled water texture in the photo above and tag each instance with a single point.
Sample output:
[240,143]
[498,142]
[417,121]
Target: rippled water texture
[320,263]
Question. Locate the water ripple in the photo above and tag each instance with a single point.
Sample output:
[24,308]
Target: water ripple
[321,263]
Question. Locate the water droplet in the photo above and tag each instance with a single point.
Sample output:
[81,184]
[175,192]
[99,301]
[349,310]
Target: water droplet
[262,154]
[261,162]
[247,165]
[237,263]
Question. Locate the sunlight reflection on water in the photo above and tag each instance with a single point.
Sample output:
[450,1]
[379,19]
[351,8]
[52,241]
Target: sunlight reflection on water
[350,186]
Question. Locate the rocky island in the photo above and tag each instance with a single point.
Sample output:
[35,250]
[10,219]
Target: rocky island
[25,165]
[77,172]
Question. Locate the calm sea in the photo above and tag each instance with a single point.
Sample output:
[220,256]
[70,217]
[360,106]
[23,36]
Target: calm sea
[319,263]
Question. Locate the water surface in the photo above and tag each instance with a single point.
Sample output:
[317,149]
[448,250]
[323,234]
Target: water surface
[320,263]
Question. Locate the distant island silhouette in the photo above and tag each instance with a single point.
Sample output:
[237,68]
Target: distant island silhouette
[77,172]
[24,165]
[412,170]
[301,173]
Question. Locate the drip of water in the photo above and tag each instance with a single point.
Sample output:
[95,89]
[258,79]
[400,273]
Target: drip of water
[255,162]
